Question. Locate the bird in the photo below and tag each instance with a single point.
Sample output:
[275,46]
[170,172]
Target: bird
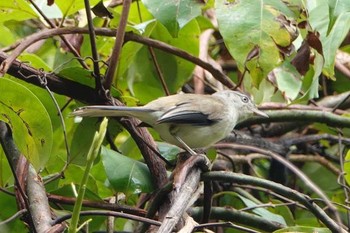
[189,121]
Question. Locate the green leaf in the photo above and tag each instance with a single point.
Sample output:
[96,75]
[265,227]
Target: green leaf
[34,61]
[124,174]
[168,151]
[18,10]
[141,78]
[52,11]
[130,49]
[7,37]
[254,32]
[83,135]
[281,209]
[72,6]
[174,14]
[29,121]
[263,212]
[332,20]
[288,80]
[347,168]
[303,229]
[332,42]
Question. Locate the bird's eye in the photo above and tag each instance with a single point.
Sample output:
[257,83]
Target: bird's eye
[245,99]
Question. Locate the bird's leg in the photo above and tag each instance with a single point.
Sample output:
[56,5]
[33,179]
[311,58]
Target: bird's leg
[173,130]
[185,146]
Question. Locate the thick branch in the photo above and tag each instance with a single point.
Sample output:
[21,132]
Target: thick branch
[181,201]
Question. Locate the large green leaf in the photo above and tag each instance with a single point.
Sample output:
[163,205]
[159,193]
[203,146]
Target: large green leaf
[130,49]
[18,10]
[125,174]
[174,14]
[332,20]
[347,168]
[288,80]
[333,40]
[72,6]
[29,121]
[83,135]
[141,78]
[254,32]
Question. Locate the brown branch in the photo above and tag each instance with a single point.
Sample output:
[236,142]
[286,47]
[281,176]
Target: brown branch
[309,116]
[38,214]
[159,71]
[96,73]
[119,40]
[97,204]
[317,159]
[108,213]
[181,201]
[129,36]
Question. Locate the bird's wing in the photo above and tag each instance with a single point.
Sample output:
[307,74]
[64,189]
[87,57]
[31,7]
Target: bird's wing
[203,112]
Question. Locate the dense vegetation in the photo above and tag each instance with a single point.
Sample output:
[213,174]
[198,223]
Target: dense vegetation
[288,172]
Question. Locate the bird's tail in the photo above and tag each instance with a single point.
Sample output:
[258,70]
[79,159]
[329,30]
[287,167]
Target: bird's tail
[102,111]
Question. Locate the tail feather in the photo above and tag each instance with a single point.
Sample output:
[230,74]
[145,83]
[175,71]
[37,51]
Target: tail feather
[101,111]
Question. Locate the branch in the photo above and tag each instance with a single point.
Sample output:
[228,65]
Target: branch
[181,201]
[129,36]
[299,116]
[278,188]
[97,204]
[96,73]
[39,213]
[108,213]
[119,40]
[236,216]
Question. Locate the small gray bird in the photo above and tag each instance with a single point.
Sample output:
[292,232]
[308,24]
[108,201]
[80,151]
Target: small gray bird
[186,120]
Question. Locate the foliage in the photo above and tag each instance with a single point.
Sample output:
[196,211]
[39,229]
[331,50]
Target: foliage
[289,55]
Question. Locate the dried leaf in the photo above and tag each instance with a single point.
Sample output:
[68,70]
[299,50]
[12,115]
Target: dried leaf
[302,60]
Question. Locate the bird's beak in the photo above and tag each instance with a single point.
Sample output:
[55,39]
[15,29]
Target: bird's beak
[260,113]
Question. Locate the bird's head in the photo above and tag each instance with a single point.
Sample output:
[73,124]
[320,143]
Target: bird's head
[244,106]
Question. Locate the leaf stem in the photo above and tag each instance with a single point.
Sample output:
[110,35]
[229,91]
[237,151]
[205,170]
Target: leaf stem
[92,154]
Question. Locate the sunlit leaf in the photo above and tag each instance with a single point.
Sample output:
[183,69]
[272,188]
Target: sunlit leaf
[124,174]
[254,32]
[29,121]
[141,77]
[18,10]
[174,14]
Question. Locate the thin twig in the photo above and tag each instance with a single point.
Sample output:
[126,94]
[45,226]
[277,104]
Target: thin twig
[13,217]
[96,73]
[119,40]
[64,39]
[225,224]
[159,71]
[108,213]
[43,81]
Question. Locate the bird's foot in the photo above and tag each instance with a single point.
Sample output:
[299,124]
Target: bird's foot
[185,164]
